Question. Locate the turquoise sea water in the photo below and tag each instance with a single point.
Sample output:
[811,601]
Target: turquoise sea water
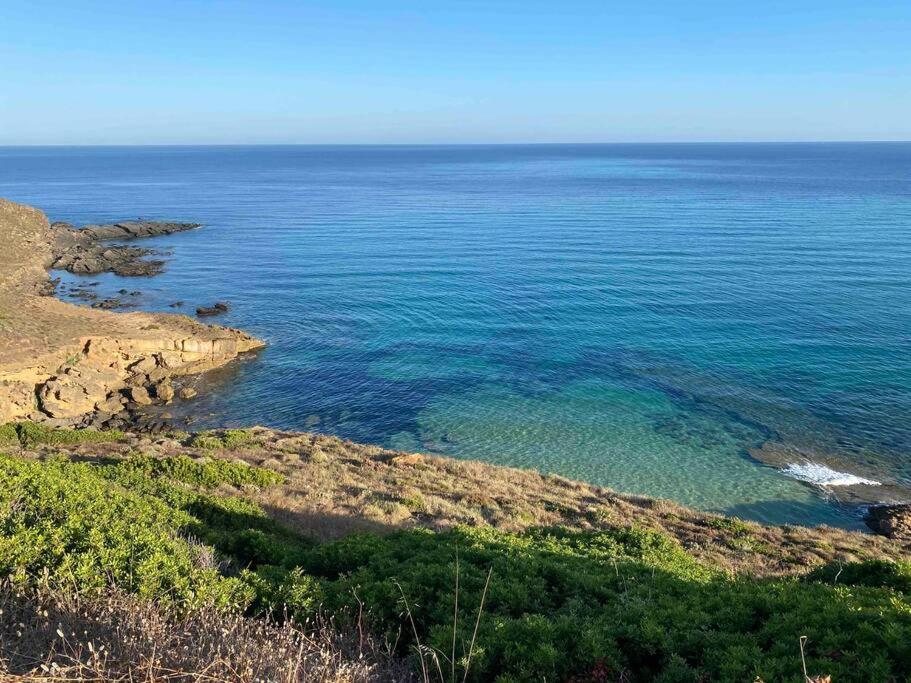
[639,316]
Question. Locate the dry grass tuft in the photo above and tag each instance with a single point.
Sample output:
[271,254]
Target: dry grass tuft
[58,636]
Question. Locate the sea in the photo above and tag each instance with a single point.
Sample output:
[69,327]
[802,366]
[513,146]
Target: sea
[724,325]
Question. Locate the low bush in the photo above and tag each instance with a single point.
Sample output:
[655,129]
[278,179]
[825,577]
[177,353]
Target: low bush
[236,438]
[872,573]
[9,435]
[229,439]
[61,520]
[34,434]
[206,441]
[208,474]
[631,602]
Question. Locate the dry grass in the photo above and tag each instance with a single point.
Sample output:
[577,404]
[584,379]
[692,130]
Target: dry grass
[58,636]
[336,487]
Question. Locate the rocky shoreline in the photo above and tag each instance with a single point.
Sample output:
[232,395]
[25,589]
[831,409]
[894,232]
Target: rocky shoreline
[76,366]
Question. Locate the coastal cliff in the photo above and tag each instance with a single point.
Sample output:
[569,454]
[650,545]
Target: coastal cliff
[60,362]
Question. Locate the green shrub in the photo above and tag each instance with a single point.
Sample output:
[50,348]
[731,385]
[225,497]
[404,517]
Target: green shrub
[873,573]
[237,438]
[289,588]
[207,441]
[230,439]
[9,435]
[238,528]
[563,604]
[414,502]
[33,434]
[61,519]
[207,474]
[730,525]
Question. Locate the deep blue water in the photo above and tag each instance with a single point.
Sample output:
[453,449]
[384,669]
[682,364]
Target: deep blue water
[639,316]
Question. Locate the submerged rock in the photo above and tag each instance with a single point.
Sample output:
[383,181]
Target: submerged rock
[215,309]
[187,392]
[110,304]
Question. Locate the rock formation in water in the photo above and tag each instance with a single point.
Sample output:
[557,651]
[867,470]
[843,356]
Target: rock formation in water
[79,250]
[60,362]
[893,521]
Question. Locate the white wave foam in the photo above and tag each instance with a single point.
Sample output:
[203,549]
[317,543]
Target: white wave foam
[821,475]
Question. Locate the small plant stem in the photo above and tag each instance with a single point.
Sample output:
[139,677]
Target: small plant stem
[476,624]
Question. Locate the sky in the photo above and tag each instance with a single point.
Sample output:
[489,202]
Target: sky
[448,71]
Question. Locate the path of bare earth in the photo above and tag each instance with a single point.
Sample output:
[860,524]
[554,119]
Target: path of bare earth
[59,361]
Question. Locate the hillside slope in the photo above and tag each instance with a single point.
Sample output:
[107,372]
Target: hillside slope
[571,582]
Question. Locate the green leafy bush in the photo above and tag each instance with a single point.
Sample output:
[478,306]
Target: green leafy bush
[564,604]
[60,518]
[208,474]
[207,441]
[730,525]
[235,526]
[236,438]
[229,438]
[873,573]
[33,433]
[9,435]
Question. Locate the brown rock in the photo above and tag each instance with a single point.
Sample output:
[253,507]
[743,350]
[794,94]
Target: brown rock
[112,405]
[140,395]
[75,391]
[16,399]
[143,366]
[187,392]
[41,336]
[892,521]
[164,391]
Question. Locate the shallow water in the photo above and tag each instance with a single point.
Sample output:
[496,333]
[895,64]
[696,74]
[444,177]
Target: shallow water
[639,316]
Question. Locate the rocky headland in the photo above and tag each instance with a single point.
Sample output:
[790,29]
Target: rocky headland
[69,364]
[83,252]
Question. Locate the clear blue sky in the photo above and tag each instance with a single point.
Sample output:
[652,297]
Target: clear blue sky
[401,71]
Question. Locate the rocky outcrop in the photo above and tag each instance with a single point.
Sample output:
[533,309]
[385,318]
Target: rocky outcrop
[78,251]
[131,229]
[108,375]
[892,521]
[70,364]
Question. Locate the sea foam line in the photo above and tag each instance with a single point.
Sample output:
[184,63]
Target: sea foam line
[821,475]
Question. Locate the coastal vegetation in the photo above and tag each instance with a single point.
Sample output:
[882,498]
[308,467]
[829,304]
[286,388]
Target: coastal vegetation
[112,530]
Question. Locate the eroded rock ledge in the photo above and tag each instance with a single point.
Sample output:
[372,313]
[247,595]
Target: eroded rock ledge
[60,362]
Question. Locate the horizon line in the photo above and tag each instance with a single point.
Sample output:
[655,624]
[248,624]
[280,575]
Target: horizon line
[451,144]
